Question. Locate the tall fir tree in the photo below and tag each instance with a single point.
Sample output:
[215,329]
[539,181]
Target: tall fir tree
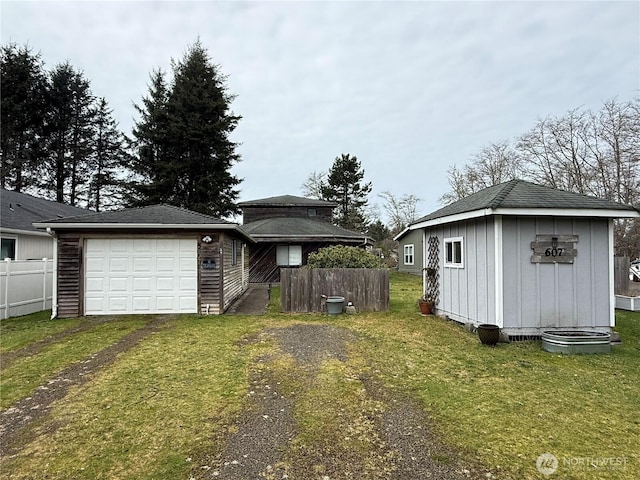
[69,129]
[23,104]
[344,186]
[185,154]
[108,161]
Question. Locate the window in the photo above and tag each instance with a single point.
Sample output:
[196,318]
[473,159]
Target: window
[311,212]
[289,255]
[408,254]
[8,249]
[453,252]
[234,252]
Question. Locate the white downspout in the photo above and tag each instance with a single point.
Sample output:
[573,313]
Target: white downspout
[54,280]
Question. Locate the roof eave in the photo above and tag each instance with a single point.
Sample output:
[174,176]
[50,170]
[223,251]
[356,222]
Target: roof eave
[145,226]
[526,212]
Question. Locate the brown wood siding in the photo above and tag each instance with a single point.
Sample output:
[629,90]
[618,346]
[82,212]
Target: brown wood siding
[263,266]
[69,277]
[232,274]
[252,214]
[209,280]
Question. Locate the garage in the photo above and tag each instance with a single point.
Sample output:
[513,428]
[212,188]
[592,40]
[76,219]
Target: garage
[157,259]
[140,275]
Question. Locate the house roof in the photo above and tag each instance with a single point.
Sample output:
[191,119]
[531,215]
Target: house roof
[153,216]
[18,211]
[302,230]
[518,197]
[287,201]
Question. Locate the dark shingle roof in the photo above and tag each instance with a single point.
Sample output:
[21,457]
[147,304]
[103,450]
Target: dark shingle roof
[517,194]
[296,228]
[19,211]
[150,215]
[286,201]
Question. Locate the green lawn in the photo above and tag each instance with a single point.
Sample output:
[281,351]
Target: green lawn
[164,402]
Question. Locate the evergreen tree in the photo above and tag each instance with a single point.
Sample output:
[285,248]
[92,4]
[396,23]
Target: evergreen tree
[69,129]
[185,153]
[344,187]
[109,158]
[23,87]
[151,182]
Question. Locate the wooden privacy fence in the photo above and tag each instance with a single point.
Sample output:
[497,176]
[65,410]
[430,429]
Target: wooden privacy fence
[301,289]
[25,286]
[621,275]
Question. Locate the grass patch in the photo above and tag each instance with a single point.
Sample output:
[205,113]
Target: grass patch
[507,405]
[27,373]
[18,332]
[147,413]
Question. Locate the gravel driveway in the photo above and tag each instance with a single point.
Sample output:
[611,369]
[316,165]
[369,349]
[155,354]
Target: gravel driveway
[263,444]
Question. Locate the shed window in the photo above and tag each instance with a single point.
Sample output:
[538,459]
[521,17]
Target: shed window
[453,252]
[312,212]
[289,255]
[408,254]
[8,249]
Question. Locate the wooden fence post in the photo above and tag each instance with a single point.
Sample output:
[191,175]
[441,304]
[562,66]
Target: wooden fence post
[621,275]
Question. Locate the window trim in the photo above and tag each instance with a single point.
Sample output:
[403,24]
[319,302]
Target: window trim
[234,252]
[15,246]
[452,241]
[406,254]
[288,247]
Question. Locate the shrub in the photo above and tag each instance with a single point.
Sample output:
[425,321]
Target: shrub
[339,256]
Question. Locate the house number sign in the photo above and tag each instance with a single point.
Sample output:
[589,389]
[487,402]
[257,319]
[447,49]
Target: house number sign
[554,249]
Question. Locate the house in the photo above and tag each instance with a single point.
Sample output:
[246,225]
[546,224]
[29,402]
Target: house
[524,257]
[20,239]
[154,259]
[410,250]
[287,229]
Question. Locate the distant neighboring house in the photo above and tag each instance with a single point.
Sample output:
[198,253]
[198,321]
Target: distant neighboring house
[410,252]
[20,239]
[287,229]
[154,259]
[522,256]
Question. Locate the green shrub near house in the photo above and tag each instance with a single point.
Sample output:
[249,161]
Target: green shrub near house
[339,256]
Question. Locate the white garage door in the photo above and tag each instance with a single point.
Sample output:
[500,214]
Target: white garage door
[140,276]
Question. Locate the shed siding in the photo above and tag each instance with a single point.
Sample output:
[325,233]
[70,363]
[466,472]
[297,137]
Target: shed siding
[468,294]
[539,296]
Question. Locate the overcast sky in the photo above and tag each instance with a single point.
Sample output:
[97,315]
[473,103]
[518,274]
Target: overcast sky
[410,88]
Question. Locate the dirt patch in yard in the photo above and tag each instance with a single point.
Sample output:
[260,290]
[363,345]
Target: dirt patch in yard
[292,427]
[30,409]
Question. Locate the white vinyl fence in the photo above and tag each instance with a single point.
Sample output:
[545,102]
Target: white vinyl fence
[25,286]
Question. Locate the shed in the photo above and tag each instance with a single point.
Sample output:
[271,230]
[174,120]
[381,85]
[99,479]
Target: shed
[154,259]
[524,257]
[287,229]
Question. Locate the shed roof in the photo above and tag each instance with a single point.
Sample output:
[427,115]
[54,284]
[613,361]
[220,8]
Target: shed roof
[19,211]
[153,216]
[286,201]
[519,197]
[301,229]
